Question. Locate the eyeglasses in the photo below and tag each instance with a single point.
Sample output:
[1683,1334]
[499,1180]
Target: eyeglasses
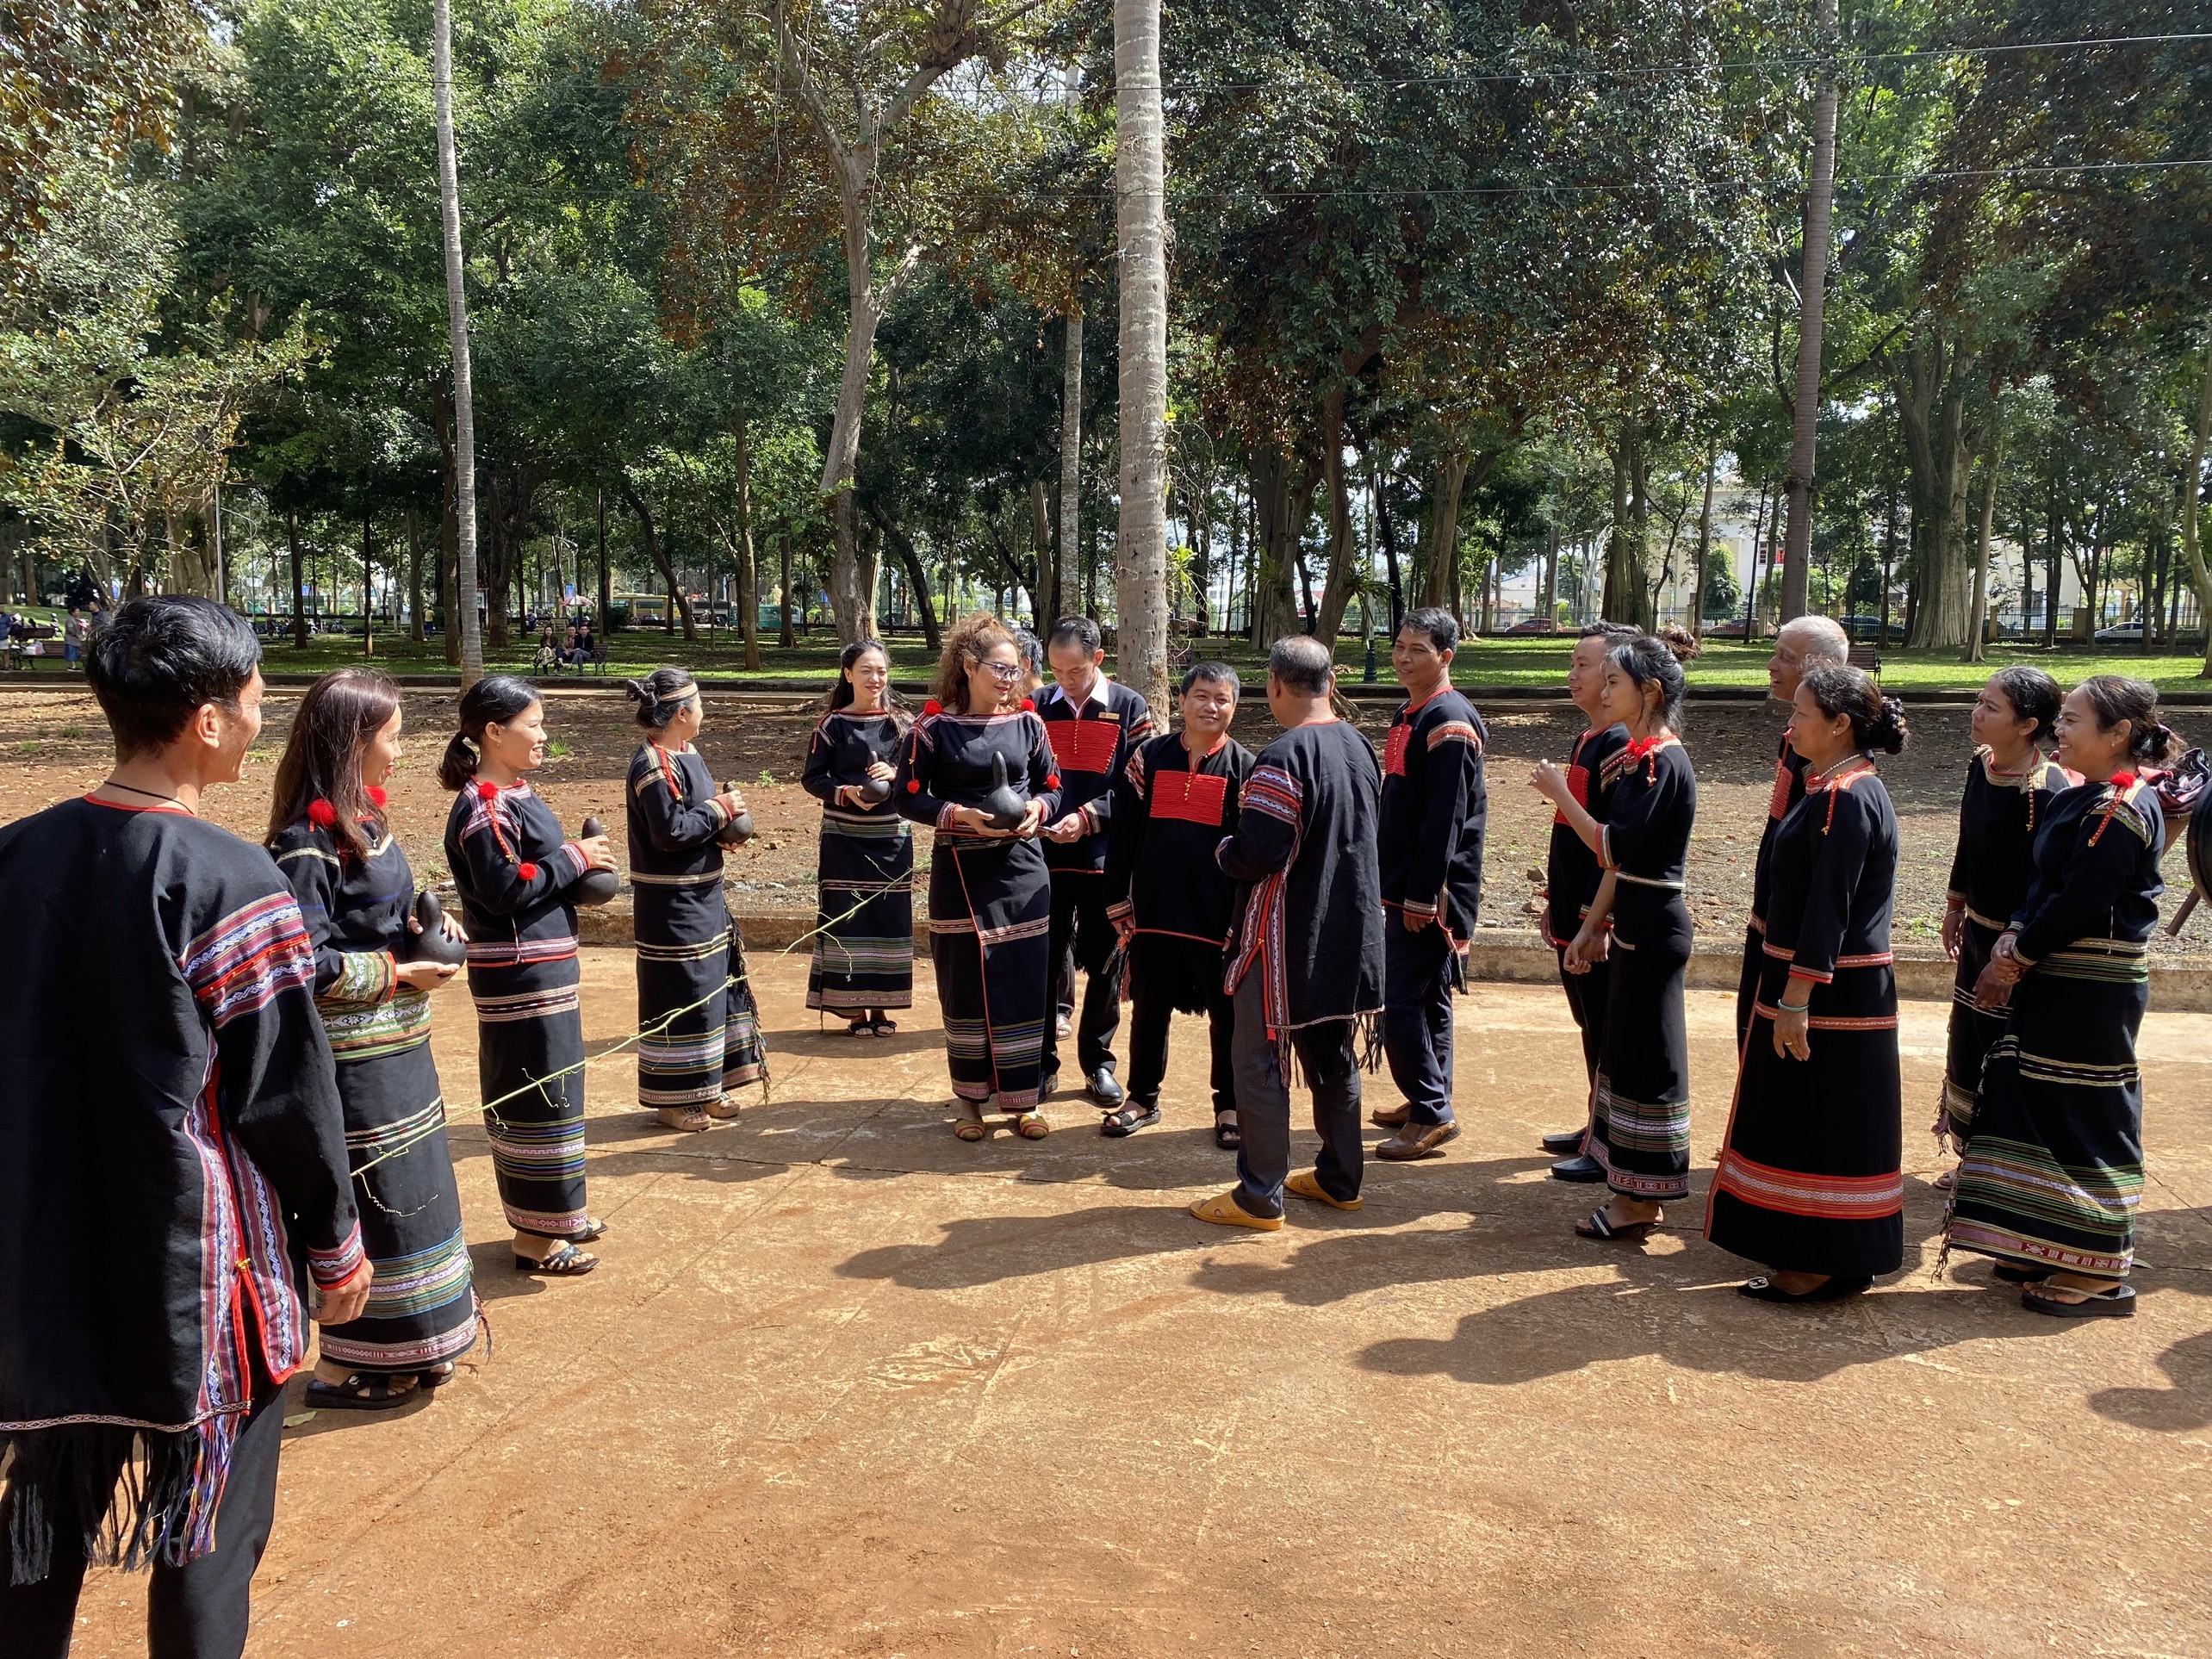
[1005,670]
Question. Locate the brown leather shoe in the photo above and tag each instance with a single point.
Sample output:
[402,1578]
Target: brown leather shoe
[1416,1140]
[1390,1117]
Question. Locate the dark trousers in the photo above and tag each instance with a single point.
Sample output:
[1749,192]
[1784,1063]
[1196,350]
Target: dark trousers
[1150,1013]
[1418,973]
[198,1611]
[1263,1106]
[1586,1000]
[1079,924]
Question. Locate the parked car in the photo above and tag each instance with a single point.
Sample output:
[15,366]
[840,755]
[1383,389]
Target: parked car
[1732,628]
[1870,628]
[2120,633]
[1534,625]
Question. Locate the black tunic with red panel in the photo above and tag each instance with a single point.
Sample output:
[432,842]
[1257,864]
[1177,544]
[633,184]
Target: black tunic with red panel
[1788,790]
[1810,1179]
[1570,870]
[1090,746]
[1168,816]
[1435,807]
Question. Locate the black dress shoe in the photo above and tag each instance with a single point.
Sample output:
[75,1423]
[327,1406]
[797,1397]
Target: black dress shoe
[1105,1090]
[1578,1168]
[1564,1145]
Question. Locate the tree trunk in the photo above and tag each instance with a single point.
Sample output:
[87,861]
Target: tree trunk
[1044,592]
[1813,291]
[784,635]
[1282,495]
[1705,546]
[1383,530]
[414,576]
[1931,411]
[1141,228]
[367,586]
[1337,584]
[1627,599]
[749,570]
[1889,560]
[2192,512]
[1066,578]
[1980,610]
[456,317]
[299,584]
[651,535]
[902,547]
[606,577]
[1443,538]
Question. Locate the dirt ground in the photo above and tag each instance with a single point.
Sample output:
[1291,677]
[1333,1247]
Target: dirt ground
[846,1385]
[53,742]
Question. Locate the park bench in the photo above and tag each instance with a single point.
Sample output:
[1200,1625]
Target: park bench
[1867,658]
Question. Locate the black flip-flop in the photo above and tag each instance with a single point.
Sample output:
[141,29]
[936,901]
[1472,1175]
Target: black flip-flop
[372,1392]
[1127,1119]
[2118,1303]
[1835,1289]
[882,1027]
[1228,1134]
[567,1262]
[1603,1229]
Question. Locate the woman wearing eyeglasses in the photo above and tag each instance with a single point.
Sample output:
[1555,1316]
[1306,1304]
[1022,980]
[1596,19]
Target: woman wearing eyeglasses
[977,768]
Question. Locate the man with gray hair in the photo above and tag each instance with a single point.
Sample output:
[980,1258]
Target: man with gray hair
[1800,645]
[1305,943]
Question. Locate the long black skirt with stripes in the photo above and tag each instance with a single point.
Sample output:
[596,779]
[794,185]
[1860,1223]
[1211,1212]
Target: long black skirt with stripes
[1640,1124]
[1973,1031]
[701,1027]
[990,906]
[864,931]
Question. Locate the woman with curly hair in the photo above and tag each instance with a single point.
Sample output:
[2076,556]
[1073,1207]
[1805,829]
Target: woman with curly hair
[1812,1179]
[977,769]
[2054,1165]
[331,836]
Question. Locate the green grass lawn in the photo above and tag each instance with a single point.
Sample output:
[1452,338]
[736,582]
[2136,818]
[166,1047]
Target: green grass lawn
[1518,662]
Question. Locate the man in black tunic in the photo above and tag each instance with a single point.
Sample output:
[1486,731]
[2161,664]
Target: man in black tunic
[1800,647]
[1171,903]
[172,1156]
[1434,809]
[1093,724]
[1305,943]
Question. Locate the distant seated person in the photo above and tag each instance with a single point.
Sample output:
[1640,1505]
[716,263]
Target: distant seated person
[548,653]
[580,642]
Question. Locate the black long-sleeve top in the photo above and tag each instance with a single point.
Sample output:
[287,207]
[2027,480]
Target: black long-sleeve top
[1788,792]
[672,814]
[355,908]
[171,1142]
[2097,869]
[1834,877]
[1999,815]
[1570,868]
[1653,794]
[1435,808]
[1309,912]
[1090,746]
[513,866]
[844,745]
[1168,816]
[947,762]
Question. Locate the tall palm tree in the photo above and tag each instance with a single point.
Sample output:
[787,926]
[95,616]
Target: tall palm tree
[1812,298]
[1141,224]
[456,314]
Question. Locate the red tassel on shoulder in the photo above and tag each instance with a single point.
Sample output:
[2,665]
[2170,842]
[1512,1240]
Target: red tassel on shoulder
[2123,781]
[933,706]
[526,870]
[321,814]
[1028,705]
[487,791]
[377,798]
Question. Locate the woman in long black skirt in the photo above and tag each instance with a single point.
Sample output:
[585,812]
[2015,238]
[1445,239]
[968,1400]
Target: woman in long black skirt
[1640,1129]
[976,746]
[863,964]
[1570,870]
[1812,1180]
[700,1031]
[2054,1167]
[2009,786]
[329,834]
[514,868]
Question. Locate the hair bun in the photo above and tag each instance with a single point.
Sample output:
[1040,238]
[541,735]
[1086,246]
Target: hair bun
[1682,642]
[637,691]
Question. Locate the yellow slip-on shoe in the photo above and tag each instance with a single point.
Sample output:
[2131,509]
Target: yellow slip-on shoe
[1223,1210]
[1307,1184]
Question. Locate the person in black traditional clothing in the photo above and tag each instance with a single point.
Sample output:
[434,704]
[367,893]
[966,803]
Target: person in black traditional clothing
[1811,1180]
[1305,942]
[1094,725]
[1430,844]
[978,769]
[173,1153]
[863,964]
[2010,784]
[1640,1137]
[1806,643]
[330,835]
[699,1030]
[1169,900]
[1570,870]
[2052,1173]
[513,866]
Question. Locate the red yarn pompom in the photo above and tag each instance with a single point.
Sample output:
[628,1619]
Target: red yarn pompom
[933,706]
[2123,781]
[526,870]
[377,798]
[914,785]
[487,791]
[1053,782]
[321,814]
[1028,705]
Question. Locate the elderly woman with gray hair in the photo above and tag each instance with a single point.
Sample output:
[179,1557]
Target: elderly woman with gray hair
[1806,643]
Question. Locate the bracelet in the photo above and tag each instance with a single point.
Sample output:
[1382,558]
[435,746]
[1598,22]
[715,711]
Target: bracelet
[1789,1008]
